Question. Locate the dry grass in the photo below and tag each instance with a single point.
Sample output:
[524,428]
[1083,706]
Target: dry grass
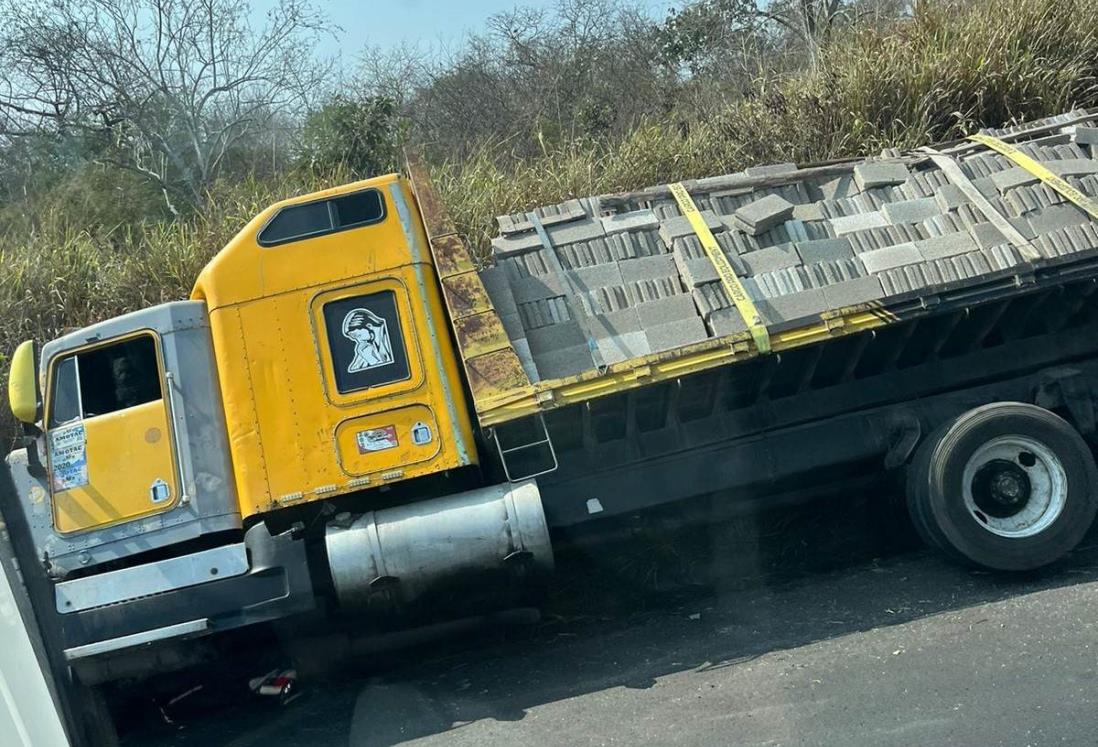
[953,68]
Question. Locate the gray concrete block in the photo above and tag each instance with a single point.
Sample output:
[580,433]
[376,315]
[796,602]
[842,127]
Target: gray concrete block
[1073,167]
[943,224]
[1022,200]
[880,260]
[808,211]
[675,334]
[526,358]
[679,226]
[1084,135]
[670,309]
[793,310]
[647,268]
[795,230]
[711,296]
[601,300]
[508,246]
[1056,217]
[985,185]
[838,188]
[1002,257]
[644,291]
[763,214]
[637,220]
[735,240]
[595,276]
[853,292]
[1023,226]
[1013,177]
[879,174]
[573,231]
[770,169]
[544,312]
[724,322]
[947,245]
[824,250]
[1070,240]
[537,287]
[784,281]
[935,275]
[618,348]
[607,325]
[900,281]
[632,244]
[857,222]
[498,285]
[950,197]
[690,247]
[966,266]
[695,272]
[770,259]
[555,337]
[987,235]
[558,364]
[549,215]
[910,211]
[1048,246]
[512,325]
[836,270]
[538,261]
[581,254]
[1083,238]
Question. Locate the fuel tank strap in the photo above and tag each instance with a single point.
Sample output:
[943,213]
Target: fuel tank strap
[732,285]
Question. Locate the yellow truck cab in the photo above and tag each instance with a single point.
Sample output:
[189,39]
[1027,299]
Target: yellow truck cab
[326,311]
[172,445]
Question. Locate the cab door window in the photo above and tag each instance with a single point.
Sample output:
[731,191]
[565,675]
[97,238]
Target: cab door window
[104,380]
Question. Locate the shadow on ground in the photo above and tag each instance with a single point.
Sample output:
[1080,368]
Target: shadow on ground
[654,603]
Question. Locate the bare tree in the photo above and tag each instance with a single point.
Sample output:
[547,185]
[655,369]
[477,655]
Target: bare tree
[704,33]
[170,86]
[534,77]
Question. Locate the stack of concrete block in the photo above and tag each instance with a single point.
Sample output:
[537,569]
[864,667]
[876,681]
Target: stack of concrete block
[596,287]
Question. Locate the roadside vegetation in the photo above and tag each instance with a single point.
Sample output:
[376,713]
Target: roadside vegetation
[119,179]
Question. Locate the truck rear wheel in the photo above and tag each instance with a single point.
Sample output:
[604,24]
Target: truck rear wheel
[1008,486]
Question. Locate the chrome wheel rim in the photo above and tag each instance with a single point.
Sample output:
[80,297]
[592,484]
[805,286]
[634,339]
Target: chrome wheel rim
[1014,486]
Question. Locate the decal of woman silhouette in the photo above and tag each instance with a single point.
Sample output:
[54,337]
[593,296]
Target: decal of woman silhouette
[370,334]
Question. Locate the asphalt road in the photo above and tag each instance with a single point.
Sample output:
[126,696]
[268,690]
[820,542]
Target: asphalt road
[899,648]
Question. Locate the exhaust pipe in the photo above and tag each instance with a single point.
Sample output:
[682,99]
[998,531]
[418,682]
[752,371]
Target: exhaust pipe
[455,554]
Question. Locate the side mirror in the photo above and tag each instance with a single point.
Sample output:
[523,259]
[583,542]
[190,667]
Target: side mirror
[23,392]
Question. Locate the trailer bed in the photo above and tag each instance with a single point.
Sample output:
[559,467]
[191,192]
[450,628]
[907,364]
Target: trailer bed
[601,295]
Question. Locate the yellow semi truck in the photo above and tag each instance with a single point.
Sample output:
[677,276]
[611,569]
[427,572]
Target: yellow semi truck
[353,416]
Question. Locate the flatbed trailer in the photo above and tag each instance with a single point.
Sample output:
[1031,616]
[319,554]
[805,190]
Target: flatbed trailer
[359,422]
[844,391]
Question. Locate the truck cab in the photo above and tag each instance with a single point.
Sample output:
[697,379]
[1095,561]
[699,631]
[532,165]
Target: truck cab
[180,460]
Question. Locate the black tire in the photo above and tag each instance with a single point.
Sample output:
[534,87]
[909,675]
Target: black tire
[958,522]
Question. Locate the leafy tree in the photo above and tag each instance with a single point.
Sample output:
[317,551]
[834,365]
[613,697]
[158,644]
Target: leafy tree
[364,135]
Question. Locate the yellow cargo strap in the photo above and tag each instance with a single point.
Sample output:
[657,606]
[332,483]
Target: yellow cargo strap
[732,285]
[1041,172]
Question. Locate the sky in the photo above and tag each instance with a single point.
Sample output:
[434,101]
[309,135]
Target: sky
[389,23]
